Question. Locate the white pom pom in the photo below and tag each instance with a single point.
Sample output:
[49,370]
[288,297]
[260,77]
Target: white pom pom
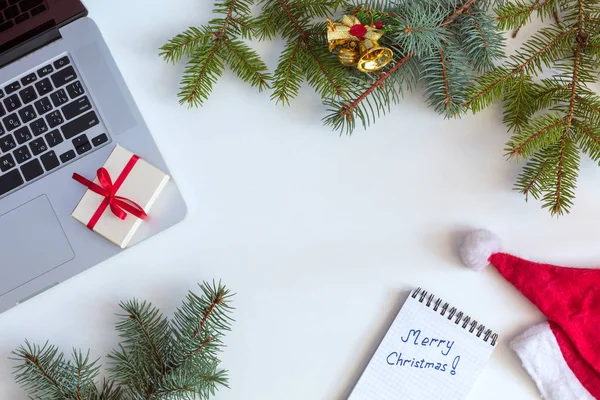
[477,248]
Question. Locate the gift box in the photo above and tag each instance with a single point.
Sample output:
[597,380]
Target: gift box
[120,197]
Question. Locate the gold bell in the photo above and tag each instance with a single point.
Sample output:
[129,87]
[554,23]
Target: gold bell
[361,51]
[373,57]
[349,56]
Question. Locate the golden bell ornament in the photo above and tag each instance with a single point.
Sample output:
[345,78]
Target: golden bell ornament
[349,56]
[373,58]
[357,44]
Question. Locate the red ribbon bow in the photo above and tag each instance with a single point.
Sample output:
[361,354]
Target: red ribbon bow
[119,206]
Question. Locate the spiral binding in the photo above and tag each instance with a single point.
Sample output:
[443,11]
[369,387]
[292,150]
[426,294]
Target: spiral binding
[459,317]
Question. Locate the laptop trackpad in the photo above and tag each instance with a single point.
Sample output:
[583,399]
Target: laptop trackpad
[32,243]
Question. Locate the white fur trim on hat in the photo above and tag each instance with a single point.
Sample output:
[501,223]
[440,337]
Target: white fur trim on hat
[542,358]
[477,248]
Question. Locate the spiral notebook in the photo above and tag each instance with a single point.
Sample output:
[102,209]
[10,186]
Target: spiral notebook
[432,351]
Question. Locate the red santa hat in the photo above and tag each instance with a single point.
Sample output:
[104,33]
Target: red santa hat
[562,355]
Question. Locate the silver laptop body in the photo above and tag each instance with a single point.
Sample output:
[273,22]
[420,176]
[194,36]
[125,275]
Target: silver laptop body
[41,245]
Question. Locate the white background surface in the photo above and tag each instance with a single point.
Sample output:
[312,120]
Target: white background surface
[321,236]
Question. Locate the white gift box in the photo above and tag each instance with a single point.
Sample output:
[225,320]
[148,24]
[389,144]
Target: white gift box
[143,185]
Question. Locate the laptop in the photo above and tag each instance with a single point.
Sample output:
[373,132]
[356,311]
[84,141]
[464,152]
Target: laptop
[63,107]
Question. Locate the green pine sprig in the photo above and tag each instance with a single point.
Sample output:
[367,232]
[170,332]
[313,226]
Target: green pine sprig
[212,47]
[305,56]
[440,45]
[46,374]
[552,119]
[156,359]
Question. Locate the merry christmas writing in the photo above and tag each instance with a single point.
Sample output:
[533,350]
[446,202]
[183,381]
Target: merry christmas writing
[437,347]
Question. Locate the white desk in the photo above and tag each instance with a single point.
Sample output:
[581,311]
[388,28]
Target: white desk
[321,236]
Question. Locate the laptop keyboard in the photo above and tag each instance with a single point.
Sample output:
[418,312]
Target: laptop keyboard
[14,12]
[41,112]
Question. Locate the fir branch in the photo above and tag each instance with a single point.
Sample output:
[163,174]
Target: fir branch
[484,92]
[542,132]
[45,374]
[457,13]
[513,15]
[567,113]
[557,200]
[439,41]
[348,109]
[288,74]
[576,65]
[157,359]
[211,47]
[185,44]
[529,185]
[589,141]
[304,37]
[445,80]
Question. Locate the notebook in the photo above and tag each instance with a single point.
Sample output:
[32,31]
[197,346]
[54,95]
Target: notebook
[431,352]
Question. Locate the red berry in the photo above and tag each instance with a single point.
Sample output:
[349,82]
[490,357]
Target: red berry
[379,25]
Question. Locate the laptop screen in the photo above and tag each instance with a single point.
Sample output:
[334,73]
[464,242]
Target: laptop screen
[22,20]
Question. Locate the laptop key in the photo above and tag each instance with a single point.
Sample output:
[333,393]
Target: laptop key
[100,139]
[79,140]
[27,114]
[32,169]
[38,146]
[11,12]
[59,98]
[63,76]
[49,160]
[80,124]
[29,4]
[2,110]
[77,107]
[42,72]
[23,135]
[43,106]
[54,119]
[54,138]
[44,87]
[3,4]
[10,181]
[12,103]
[22,154]
[75,89]
[38,10]
[62,62]
[82,144]
[5,26]
[28,95]
[84,148]
[28,79]
[1,93]
[68,156]
[22,18]
[7,143]
[13,87]
[38,127]
[7,162]
[11,122]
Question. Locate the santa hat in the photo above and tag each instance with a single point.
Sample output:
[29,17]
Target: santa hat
[562,355]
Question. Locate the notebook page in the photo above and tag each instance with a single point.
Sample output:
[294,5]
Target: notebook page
[424,356]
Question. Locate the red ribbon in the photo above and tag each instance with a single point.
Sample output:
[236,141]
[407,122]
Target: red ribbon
[119,206]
